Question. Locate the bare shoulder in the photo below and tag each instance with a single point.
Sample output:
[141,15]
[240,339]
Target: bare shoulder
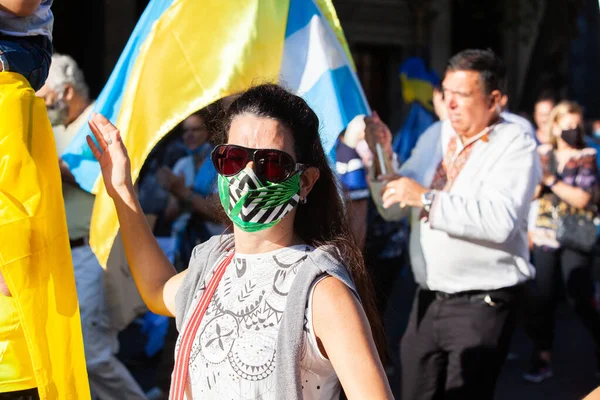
[337,314]
[332,296]
[594,395]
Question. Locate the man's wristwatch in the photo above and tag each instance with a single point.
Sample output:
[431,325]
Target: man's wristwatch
[427,200]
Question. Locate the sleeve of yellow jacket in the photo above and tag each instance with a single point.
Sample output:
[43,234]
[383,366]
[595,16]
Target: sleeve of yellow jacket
[35,257]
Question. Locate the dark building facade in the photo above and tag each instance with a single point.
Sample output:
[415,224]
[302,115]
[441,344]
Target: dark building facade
[533,36]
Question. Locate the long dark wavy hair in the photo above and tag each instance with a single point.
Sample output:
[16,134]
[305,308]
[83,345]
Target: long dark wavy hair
[322,220]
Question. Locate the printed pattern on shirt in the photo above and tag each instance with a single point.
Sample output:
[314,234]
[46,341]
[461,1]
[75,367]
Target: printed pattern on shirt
[234,353]
[579,171]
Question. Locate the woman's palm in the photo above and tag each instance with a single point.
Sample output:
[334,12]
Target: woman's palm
[111,154]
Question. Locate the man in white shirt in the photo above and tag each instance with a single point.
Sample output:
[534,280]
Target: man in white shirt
[468,188]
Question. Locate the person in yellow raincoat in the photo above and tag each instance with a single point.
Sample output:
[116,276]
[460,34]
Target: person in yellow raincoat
[41,346]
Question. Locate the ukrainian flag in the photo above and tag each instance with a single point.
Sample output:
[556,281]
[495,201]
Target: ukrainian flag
[35,258]
[185,54]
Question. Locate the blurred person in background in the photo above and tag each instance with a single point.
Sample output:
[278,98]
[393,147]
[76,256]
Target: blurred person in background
[351,172]
[69,106]
[381,241]
[193,204]
[541,113]
[515,118]
[592,138]
[439,106]
[569,179]
[26,39]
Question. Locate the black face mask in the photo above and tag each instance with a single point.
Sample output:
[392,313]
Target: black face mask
[573,137]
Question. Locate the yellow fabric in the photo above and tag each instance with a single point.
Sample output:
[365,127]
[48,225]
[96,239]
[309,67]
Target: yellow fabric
[78,203]
[16,371]
[196,53]
[417,90]
[35,258]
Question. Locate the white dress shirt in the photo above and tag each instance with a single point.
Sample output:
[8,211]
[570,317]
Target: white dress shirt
[476,235]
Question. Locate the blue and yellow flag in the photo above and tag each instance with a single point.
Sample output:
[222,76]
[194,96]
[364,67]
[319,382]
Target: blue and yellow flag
[185,54]
[35,257]
[417,91]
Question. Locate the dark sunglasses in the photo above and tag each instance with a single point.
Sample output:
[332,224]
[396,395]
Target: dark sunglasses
[270,165]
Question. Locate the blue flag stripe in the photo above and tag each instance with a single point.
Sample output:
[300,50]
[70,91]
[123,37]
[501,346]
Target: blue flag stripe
[77,155]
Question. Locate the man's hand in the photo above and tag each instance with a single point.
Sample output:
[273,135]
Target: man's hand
[378,132]
[404,191]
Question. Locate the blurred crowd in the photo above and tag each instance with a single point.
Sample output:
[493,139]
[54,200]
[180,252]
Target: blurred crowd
[518,221]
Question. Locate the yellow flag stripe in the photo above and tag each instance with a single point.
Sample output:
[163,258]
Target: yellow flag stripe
[197,53]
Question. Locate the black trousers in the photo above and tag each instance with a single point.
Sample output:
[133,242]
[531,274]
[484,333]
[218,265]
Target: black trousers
[454,347]
[556,269]
[30,394]
[383,275]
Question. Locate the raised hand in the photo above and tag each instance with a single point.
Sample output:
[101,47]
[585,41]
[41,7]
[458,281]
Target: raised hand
[111,154]
[376,131]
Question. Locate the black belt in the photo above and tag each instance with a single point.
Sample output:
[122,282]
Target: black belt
[78,242]
[470,293]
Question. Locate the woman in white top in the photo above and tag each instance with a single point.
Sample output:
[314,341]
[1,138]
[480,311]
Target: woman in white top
[566,190]
[277,188]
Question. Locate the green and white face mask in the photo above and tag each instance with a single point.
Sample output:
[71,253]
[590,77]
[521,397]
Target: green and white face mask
[253,206]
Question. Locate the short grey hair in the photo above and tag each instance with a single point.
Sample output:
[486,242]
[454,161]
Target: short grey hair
[65,71]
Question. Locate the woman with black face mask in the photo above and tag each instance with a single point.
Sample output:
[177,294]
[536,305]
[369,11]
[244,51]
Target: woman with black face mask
[564,229]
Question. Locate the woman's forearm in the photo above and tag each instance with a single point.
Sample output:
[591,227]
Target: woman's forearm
[573,196]
[148,263]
